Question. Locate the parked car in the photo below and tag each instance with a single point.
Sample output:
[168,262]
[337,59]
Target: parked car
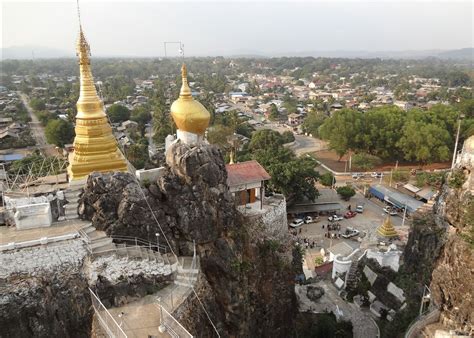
[297,223]
[335,218]
[350,214]
[360,209]
[350,232]
[357,175]
[310,219]
[389,210]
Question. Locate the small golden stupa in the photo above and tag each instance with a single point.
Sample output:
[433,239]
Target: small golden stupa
[190,116]
[95,148]
[387,230]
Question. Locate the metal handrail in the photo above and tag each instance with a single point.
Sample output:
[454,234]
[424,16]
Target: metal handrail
[116,330]
[137,240]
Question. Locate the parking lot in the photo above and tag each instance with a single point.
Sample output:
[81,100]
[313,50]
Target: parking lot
[366,222]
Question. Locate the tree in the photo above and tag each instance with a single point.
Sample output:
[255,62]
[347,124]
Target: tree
[118,113]
[162,124]
[274,113]
[346,192]
[59,132]
[365,161]
[137,154]
[312,122]
[288,137]
[265,139]
[425,142]
[37,104]
[141,115]
[343,131]
[219,135]
[327,179]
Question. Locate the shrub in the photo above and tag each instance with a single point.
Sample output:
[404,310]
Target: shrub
[346,192]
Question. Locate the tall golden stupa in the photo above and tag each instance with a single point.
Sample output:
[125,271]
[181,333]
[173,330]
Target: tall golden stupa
[387,230]
[190,116]
[95,148]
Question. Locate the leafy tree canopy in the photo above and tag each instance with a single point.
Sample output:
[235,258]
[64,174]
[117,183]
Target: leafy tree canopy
[59,132]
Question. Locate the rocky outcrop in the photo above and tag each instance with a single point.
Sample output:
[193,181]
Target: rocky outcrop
[452,284]
[247,286]
[48,305]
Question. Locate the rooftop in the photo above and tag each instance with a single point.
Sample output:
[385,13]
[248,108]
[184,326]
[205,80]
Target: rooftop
[245,172]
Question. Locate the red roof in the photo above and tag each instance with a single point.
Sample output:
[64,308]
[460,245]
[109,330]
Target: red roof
[245,172]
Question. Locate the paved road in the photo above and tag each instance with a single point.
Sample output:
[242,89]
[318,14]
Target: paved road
[37,129]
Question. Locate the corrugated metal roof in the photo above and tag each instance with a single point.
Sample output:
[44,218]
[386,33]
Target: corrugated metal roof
[245,172]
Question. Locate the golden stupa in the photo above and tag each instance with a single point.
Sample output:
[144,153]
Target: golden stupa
[188,114]
[95,148]
[387,230]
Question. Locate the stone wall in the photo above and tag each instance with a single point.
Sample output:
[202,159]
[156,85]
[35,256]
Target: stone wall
[42,259]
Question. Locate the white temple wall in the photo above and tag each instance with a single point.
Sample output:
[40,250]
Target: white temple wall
[33,216]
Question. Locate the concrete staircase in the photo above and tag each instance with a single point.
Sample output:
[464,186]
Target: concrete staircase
[186,275]
[72,194]
[351,279]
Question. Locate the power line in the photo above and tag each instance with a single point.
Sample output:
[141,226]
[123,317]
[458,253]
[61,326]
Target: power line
[161,229]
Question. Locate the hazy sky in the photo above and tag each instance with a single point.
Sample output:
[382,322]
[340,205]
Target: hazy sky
[133,28]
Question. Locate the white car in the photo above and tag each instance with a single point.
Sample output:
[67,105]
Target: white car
[335,218]
[297,223]
[357,175]
[350,232]
[360,209]
[308,219]
[390,211]
[376,175]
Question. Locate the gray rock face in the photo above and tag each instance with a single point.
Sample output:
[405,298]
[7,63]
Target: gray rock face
[49,305]
[249,279]
[314,292]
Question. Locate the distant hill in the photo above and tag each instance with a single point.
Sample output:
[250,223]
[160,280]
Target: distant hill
[458,54]
[39,52]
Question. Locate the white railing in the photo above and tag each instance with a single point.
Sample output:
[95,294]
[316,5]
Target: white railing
[171,326]
[421,321]
[106,320]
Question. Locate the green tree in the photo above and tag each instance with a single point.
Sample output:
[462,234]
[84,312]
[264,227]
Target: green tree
[327,179]
[343,130]
[37,104]
[219,135]
[288,136]
[274,113]
[265,139]
[312,122]
[346,192]
[137,154]
[59,132]
[162,124]
[118,113]
[424,142]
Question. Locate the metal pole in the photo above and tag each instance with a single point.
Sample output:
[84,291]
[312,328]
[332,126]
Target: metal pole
[456,143]
[404,214]
[422,300]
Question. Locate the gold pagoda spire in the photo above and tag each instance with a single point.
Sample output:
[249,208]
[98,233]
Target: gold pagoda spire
[185,91]
[188,114]
[95,147]
[387,230]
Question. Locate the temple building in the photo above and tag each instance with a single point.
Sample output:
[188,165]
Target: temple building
[246,183]
[95,148]
[387,230]
[190,116]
